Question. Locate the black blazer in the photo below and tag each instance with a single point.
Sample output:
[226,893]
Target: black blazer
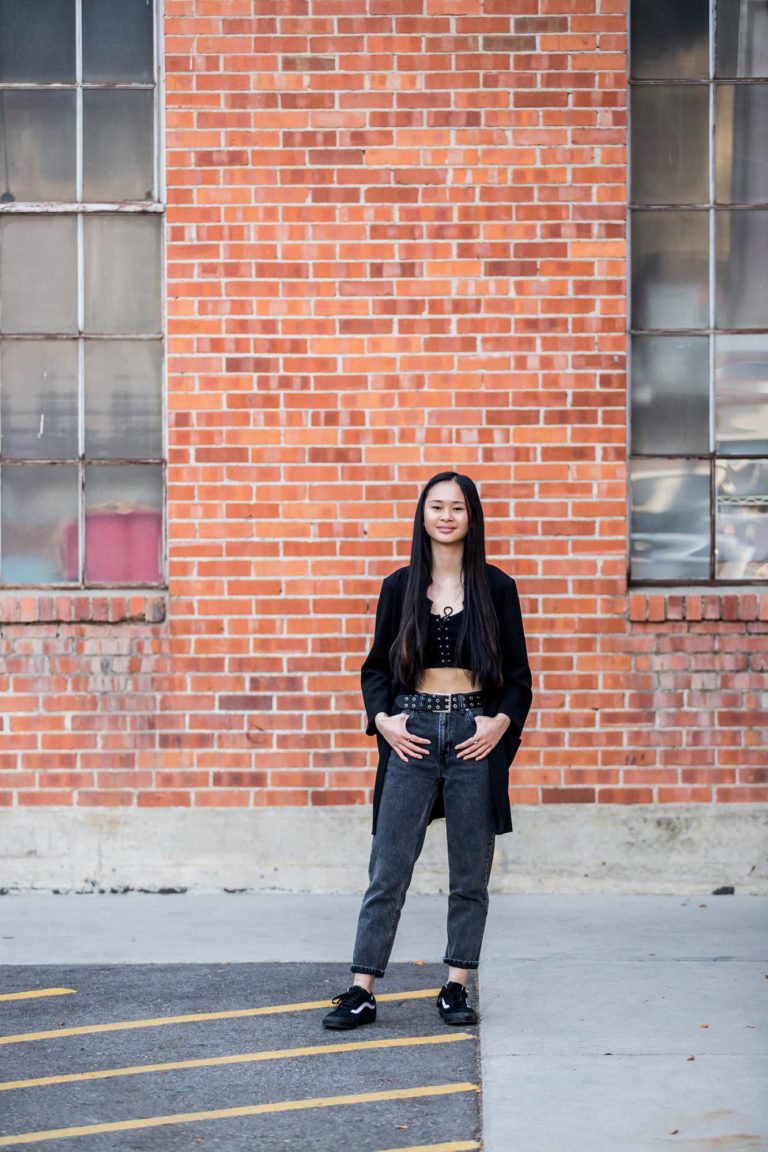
[380,688]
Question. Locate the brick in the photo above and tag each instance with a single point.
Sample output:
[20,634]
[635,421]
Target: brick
[384,259]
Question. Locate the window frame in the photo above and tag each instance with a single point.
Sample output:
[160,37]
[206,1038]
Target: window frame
[712,82]
[81,209]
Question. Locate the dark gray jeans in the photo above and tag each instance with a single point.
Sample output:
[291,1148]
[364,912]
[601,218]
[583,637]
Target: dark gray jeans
[406,801]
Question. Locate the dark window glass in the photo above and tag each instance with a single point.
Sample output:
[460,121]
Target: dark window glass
[670,151]
[670,394]
[117,40]
[118,145]
[741,38]
[669,39]
[38,145]
[37,41]
[670,275]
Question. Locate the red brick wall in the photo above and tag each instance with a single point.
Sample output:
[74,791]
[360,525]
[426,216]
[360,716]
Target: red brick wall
[396,244]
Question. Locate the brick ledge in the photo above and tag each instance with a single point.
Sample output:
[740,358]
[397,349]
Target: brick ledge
[654,607]
[87,607]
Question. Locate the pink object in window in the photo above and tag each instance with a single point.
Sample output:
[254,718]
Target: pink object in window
[120,547]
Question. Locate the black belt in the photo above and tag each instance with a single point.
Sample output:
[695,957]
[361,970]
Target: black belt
[441,701]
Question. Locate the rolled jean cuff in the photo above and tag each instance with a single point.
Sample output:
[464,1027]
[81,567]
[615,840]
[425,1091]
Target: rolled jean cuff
[368,971]
[460,963]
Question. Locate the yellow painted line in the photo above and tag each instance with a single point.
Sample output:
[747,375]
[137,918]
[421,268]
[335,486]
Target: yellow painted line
[240,1058]
[36,992]
[451,1146]
[246,1110]
[195,1017]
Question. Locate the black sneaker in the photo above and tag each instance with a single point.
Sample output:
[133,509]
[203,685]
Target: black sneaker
[452,1003]
[356,1006]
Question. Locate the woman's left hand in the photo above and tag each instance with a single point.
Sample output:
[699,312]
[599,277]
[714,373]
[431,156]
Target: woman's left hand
[490,730]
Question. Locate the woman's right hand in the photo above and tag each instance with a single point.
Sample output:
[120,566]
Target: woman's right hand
[396,734]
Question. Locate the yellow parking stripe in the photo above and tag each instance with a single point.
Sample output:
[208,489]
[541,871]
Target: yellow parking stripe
[240,1058]
[195,1017]
[451,1146]
[36,992]
[247,1110]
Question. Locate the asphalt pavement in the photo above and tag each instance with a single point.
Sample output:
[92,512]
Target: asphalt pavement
[629,1023]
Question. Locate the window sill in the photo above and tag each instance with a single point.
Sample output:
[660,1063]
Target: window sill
[86,606]
[656,605]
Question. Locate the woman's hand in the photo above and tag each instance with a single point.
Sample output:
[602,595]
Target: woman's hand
[490,730]
[396,734]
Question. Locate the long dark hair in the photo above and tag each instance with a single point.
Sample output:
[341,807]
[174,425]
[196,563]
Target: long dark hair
[478,644]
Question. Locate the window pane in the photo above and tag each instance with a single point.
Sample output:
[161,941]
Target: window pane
[742,520]
[38,274]
[741,143]
[38,399]
[123,411]
[670,277]
[117,40]
[37,143]
[670,39]
[39,532]
[37,41]
[670,394]
[123,523]
[741,394]
[670,519]
[118,145]
[670,129]
[742,268]
[122,274]
[741,41]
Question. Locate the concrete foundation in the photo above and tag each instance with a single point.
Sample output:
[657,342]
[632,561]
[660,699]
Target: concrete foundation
[568,848]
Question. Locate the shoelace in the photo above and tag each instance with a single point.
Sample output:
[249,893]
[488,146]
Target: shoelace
[350,996]
[455,994]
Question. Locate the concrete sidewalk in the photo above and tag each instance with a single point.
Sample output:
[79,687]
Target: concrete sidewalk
[609,1022]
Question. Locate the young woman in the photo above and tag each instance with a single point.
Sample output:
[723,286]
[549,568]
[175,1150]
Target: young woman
[447,689]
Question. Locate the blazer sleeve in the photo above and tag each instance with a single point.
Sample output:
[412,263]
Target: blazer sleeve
[375,673]
[516,694]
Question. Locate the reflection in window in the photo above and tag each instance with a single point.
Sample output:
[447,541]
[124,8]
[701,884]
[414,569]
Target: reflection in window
[40,504]
[741,391]
[38,400]
[742,519]
[670,519]
[741,144]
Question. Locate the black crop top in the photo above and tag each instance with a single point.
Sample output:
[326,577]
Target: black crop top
[441,641]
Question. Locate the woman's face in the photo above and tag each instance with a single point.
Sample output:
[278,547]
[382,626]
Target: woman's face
[446,519]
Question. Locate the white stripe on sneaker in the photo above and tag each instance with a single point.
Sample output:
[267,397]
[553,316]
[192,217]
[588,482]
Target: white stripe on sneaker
[355,1011]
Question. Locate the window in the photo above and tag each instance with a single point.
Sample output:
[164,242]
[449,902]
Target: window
[81,353]
[699,293]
